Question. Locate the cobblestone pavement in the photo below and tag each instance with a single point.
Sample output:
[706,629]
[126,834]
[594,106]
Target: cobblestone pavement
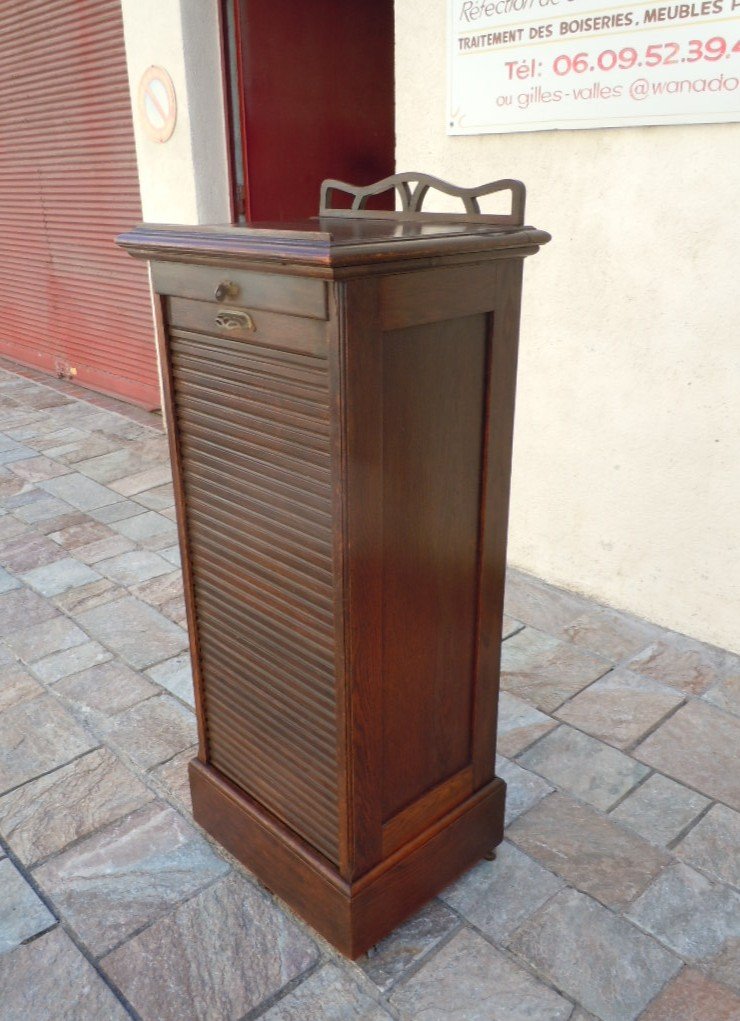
[612,897]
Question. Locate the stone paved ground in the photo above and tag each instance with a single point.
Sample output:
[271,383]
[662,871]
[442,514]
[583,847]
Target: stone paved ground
[613,895]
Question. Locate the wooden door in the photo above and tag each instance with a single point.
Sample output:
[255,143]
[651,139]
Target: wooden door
[315,90]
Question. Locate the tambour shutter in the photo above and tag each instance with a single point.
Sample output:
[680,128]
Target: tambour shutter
[70,301]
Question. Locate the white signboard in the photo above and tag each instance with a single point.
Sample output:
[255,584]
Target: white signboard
[534,65]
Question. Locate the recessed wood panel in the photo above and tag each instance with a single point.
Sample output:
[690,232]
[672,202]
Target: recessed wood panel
[433,426]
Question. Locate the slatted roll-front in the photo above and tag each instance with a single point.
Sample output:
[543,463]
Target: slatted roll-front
[254,447]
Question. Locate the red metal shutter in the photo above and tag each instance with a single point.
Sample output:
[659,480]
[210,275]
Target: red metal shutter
[70,301]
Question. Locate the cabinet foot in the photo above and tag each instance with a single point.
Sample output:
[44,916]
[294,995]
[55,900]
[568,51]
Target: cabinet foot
[491,856]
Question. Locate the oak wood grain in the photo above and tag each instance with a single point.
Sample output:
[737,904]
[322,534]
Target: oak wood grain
[342,486]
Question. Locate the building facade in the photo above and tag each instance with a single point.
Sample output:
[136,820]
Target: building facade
[627,445]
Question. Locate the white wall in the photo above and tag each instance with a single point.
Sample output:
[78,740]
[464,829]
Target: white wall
[626,479]
[183,180]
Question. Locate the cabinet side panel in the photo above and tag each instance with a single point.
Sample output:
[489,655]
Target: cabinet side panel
[433,428]
[253,441]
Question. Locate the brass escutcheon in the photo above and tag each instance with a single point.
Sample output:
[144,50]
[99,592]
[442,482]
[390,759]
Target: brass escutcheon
[229,320]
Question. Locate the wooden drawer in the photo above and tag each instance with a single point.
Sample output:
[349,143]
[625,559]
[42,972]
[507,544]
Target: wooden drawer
[289,332]
[276,292]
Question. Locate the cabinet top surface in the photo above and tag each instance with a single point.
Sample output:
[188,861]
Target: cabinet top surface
[328,241]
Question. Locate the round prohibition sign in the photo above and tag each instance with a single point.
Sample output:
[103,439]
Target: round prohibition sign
[157,104]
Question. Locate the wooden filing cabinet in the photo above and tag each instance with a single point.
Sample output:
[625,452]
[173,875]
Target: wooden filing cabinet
[339,397]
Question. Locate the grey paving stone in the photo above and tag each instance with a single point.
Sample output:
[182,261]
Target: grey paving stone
[172,553]
[21,608]
[80,534]
[523,789]
[10,484]
[660,809]
[725,966]
[175,610]
[134,567]
[713,845]
[107,688]
[45,815]
[17,685]
[698,746]
[726,694]
[122,462]
[16,453]
[519,724]
[588,850]
[151,731]
[408,944]
[74,453]
[63,517]
[10,526]
[685,664]
[41,640]
[52,442]
[28,551]
[583,766]
[71,661]
[150,529]
[22,913]
[327,995]
[597,958]
[103,549]
[125,875]
[54,435]
[176,675]
[139,634]
[541,605]
[7,581]
[116,511]
[688,913]
[159,498]
[87,597]
[162,590]
[23,494]
[610,633]
[37,735]
[498,896]
[173,775]
[546,671]
[50,980]
[118,426]
[54,578]
[510,627]
[80,492]
[620,708]
[469,979]
[691,996]
[150,478]
[224,953]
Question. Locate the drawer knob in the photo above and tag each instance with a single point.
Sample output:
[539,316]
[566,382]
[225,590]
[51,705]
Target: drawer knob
[226,289]
[229,320]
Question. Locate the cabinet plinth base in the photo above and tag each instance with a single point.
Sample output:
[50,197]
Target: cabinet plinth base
[352,916]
